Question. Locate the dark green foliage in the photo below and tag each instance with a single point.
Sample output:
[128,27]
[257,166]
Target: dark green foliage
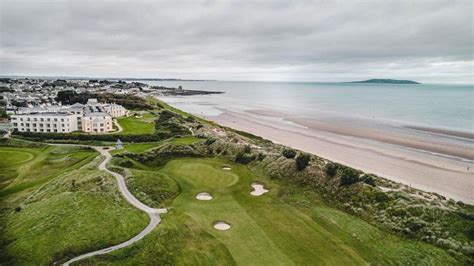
[247,149]
[244,158]
[127,100]
[289,153]
[368,179]
[37,136]
[331,169]
[6,89]
[349,176]
[302,161]
[171,122]
[209,141]
[260,156]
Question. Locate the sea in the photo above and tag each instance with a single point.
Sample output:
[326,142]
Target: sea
[438,106]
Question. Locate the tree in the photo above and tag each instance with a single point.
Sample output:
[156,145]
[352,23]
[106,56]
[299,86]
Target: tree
[302,161]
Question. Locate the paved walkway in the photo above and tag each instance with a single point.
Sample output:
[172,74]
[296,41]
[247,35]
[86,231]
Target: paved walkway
[153,213]
[117,124]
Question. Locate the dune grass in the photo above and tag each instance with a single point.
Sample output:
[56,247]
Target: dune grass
[271,229]
[136,147]
[59,205]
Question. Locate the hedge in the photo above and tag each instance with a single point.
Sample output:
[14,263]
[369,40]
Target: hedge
[37,136]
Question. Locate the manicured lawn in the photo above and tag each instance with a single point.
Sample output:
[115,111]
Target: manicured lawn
[65,206]
[13,157]
[136,126]
[265,230]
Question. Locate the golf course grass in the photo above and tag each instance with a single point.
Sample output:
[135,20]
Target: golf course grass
[55,204]
[265,230]
[137,125]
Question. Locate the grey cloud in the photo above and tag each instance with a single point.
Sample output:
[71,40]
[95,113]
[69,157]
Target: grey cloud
[302,41]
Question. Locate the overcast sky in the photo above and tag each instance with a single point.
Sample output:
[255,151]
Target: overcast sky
[426,41]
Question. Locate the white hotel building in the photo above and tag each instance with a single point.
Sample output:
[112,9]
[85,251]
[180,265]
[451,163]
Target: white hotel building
[52,122]
[93,117]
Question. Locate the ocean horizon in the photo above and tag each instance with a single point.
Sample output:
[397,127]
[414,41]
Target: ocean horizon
[440,106]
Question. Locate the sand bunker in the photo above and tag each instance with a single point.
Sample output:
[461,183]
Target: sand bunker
[226,168]
[222,226]
[203,196]
[259,190]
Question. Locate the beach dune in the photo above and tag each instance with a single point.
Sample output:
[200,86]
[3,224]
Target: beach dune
[432,160]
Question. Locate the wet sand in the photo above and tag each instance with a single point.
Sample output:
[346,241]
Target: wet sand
[413,156]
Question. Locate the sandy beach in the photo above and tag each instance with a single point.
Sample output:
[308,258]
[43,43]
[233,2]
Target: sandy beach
[433,160]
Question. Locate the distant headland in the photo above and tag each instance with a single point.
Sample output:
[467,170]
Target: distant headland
[386,81]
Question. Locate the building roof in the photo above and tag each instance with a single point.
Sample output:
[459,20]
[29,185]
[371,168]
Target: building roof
[45,114]
[97,114]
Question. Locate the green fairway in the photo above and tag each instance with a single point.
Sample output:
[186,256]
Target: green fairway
[265,230]
[56,204]
[137,125]
[13,157]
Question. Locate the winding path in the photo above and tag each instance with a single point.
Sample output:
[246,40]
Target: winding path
[153,213]
[117,124]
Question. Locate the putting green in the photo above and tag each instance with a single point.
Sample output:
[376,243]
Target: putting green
[13,157]
[201,174]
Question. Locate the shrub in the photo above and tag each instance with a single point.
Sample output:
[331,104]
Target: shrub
[209,141]
[302,161]
[244,158]
[289,153]
[349,176]
[368,179]
[247,149]
[331,169]
[38,136]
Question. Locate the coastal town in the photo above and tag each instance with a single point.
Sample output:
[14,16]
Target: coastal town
[32,104]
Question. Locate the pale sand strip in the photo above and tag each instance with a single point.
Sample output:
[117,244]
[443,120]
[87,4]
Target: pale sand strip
[372,153]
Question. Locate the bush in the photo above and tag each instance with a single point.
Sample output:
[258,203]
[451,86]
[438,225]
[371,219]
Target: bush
[331,169]
[349,176]
[38,136]
[289,153]
[247,149]
[244,158]
[302,161]
[368,179]
[209,141]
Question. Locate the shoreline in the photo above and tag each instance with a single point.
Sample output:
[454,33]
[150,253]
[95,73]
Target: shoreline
[423,162]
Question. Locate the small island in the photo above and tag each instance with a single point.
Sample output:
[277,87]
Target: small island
[386,81]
